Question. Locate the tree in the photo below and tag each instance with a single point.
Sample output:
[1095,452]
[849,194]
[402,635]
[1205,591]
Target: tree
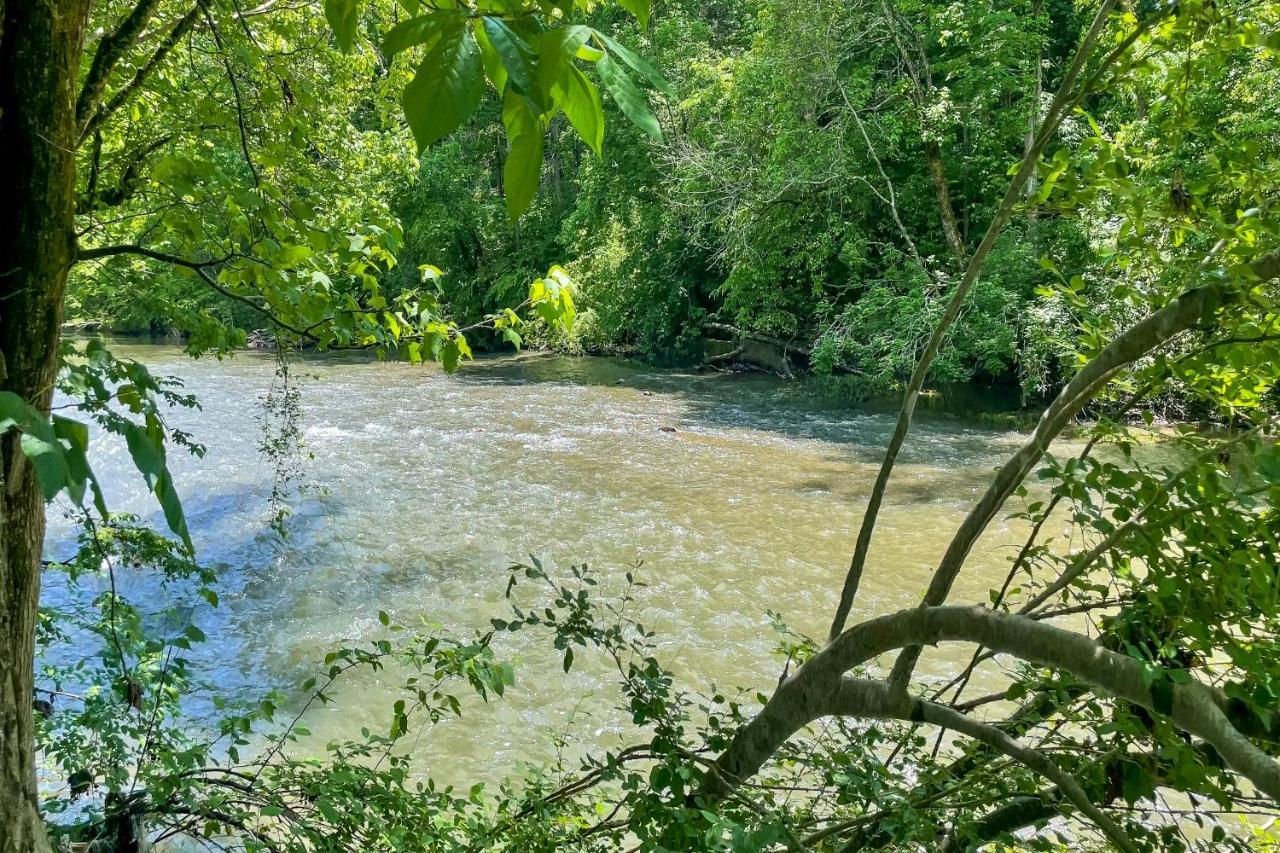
[1220,283]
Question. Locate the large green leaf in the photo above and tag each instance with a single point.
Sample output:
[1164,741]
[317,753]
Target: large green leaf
[556,51]
[342,18]
[513,52]
[638,63]
[146,447]
[639,8]
[50,461]
[57,450]
[628,97]
[76,436]
[522,172]
[580,100]
[489,58]
[447,88]
[40,445]
[415,31]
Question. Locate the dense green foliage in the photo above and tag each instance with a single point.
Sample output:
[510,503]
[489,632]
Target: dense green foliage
[764,203]
[860,179]
[792,191]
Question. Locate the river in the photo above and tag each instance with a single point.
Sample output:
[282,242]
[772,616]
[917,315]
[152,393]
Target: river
[424,488]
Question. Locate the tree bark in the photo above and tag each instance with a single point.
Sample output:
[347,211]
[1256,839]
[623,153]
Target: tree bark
[947,210]
[40,49]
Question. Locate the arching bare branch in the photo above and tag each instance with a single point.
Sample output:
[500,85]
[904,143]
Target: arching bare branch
[812,691]
[858,697]
[1179,315]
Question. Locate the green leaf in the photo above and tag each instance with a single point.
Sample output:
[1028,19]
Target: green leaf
[167,494]
[514,54]
[1136,783]
[13,411]
[48,458]
[489,58]
[148,457]
[522,171]
[415,31]
[341,15]
[57,449]
[450,355]
[556,51]
[1269,466]
[447,88]
[628,97]
[636,62]
[639,8]
[76,436]
[580,100]
[39,444]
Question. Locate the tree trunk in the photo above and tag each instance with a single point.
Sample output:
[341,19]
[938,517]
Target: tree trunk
[40,47]
[946,210]
[1033,120]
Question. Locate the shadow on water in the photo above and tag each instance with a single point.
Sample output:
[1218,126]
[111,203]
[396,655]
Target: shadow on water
[764,402]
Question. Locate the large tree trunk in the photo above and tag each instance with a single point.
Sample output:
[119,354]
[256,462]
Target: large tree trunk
[40,49]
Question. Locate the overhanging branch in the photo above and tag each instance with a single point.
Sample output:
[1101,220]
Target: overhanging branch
[1150,333]
[122,96]
[126,186]
[811,691]
[111,49]
[1066,99]
[200,268]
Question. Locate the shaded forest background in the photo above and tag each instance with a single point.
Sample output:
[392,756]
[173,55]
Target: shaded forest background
[764,206]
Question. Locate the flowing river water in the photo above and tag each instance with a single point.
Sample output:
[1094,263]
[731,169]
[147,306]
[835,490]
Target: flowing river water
[424,488]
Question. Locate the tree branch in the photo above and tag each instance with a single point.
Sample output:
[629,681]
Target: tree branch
[111,49]
[121,97]
[1066,99]
[1013,815]
[922,78]
[1181,314]
[810,692]
[201,268]
[129,178]
[863,698]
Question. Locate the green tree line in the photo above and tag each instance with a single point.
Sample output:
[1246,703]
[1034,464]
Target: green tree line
[814,174]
